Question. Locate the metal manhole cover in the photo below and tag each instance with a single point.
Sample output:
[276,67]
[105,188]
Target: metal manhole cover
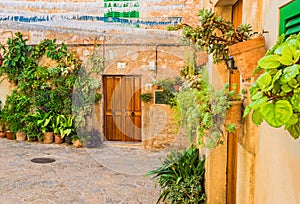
[43,160]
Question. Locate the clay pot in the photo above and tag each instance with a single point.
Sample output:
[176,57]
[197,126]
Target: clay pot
[48,137]
[247,54]
[9,135]
[21,136]
[2,134]
[234,113]
[58,139]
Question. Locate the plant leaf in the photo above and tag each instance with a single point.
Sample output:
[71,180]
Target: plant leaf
[290,73]
[257,118]
[269,62]
[294,130]
[264,80]
[288,53]
[258,103]
[277,114]
[247,111]
[292,121]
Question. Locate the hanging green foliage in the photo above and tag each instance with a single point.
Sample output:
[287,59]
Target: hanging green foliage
[275,96]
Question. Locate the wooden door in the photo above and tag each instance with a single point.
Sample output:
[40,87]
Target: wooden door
[232,139]
[122,108]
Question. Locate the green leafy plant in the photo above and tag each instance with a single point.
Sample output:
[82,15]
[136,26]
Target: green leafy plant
[202,110]
[214,34]
[15,57]
[63,125]
[46,122]
[85,93]
[181,177]
[146,97]
[275,95]
[231,128]
[44,76]
[33,127]
[15,109]
[167,95]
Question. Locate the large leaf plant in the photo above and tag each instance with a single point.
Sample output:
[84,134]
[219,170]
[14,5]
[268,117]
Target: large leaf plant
[275,96]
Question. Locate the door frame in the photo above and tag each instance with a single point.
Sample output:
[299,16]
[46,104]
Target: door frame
[103,104]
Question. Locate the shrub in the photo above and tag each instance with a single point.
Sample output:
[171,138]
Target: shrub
[181,177]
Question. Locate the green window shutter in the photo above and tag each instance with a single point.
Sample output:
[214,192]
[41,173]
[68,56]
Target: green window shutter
[290,18]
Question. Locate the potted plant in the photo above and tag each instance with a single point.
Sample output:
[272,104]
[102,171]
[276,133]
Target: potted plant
[18,125]
[235,104]
[62,127]
[46,127]
[275,95]
[146,97]
[32,127]
[7,119]
[218,37]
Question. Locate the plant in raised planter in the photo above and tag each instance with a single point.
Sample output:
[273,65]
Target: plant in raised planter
[146,97]
[275,95]
[218,37]
[168,90]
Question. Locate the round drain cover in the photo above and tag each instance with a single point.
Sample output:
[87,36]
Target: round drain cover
[43,160]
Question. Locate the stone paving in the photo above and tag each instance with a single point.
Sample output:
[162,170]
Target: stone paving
[108,174]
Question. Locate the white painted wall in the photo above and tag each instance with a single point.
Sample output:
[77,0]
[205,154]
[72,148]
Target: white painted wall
[277,165]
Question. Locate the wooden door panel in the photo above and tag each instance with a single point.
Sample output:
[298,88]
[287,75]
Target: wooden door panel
[108,92]
[137,103]
[118,128]
[122,108]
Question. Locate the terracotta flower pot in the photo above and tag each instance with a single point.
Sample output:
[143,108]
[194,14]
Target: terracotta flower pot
[58,139]
[48,137]
[246,55]
[234,113]
[21,136]
[2,134]
[9,135]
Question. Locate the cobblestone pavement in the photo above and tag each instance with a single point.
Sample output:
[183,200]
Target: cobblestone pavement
[108,174]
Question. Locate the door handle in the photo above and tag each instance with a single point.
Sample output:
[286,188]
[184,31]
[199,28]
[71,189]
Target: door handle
[132,113]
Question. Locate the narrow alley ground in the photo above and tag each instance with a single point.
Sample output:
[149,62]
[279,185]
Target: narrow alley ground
[109,174]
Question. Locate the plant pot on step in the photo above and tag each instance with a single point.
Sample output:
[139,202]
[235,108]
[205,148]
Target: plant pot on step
[48,137]
[234,113]
[58,139]
[21,136]
[2,134]
[9,135]
[246,55]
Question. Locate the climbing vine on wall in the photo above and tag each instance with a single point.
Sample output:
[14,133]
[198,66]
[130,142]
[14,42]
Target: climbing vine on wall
[44,77]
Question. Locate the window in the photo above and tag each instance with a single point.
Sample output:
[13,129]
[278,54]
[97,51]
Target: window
[290,18]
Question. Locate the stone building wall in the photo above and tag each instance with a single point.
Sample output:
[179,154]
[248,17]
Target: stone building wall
[138,43]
